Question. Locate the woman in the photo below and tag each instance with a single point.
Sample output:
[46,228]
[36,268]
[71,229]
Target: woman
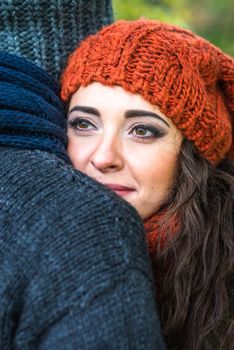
[74,267]
[151,117]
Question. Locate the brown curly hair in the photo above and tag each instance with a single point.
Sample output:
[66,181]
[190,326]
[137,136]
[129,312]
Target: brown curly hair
[194,271]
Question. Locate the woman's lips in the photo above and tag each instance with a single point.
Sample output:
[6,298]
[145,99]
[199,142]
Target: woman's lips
[120,189]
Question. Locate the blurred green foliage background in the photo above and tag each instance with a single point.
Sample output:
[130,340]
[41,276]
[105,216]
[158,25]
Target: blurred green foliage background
[212,19]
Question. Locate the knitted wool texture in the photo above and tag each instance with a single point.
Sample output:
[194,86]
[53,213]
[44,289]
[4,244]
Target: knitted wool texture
[45,32]
[31,113]
[74,268]
[188,78]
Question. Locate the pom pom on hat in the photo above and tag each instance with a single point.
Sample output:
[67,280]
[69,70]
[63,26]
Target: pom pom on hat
[188,78]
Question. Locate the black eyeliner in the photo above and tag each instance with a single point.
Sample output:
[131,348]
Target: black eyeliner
[156,132]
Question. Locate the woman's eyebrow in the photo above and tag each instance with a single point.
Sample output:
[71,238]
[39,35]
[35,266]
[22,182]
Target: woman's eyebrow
[139,113]
[85,109]
[128,114]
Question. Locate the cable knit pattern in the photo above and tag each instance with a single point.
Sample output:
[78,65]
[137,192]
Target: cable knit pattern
[188,78]
[74,268]
[47,31]
[31,113]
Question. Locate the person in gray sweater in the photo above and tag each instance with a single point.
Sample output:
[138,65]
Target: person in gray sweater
[74,267]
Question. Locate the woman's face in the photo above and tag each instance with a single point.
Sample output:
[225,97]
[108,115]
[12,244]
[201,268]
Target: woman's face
[124,142]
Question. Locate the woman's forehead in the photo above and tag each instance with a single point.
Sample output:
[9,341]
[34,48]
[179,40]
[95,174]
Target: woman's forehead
[112,99]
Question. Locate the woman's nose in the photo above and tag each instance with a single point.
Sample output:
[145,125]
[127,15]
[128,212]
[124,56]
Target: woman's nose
[108,155]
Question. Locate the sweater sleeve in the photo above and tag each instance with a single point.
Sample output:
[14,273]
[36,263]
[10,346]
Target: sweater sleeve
[75,256]
[46,32]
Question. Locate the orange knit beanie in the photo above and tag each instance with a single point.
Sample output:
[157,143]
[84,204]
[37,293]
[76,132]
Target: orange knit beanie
[188,78]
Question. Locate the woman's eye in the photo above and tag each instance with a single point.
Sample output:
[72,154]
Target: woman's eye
[141,131]
[80,124]
[146,132]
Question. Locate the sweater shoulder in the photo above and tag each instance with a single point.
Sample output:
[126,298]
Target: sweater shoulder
[61,234]
[40,190]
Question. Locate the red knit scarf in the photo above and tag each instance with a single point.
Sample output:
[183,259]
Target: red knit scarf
[159,228]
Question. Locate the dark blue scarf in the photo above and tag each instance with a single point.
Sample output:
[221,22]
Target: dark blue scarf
[31,113]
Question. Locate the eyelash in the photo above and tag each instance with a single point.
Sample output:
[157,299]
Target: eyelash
[155,132]
[74,123]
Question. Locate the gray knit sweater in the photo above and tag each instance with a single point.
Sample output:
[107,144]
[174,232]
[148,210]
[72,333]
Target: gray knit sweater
[74,269]
[47,31]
